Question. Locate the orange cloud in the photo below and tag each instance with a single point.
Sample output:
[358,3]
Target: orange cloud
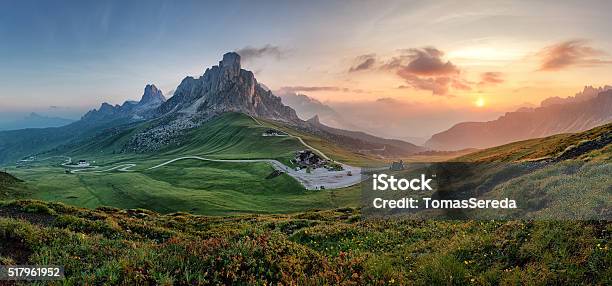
[426,69]
[570,53]
[491,78]
[364,62]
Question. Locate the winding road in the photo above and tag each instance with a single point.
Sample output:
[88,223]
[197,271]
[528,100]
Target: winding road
[314,180]
[299,139]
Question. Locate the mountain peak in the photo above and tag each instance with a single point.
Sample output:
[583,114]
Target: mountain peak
[230,59]
[230,64]
[152,95]
[226,88]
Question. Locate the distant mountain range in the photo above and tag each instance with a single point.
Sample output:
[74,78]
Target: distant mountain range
[154,122]
[35,120]
[587,93]
[151,99]
[307,107]
[362,142]
[590,108]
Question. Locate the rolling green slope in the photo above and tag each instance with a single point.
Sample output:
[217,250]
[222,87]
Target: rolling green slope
[217,188]
[593,144]
[558,177]
[228,136]
[211,188]
[235,136]
[334,151]
[260,231]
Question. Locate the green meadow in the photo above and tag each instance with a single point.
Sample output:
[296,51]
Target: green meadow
[199,187]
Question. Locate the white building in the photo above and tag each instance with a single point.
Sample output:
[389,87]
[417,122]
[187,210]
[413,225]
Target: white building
[83,164]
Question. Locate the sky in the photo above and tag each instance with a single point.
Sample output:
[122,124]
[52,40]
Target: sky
[448,61]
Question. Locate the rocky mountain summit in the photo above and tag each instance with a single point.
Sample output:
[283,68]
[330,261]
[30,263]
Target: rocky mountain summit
[151,99]
[222,88]
[152,96]
[226,88]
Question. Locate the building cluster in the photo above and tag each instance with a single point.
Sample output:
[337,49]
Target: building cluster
[308,159]
[273,132]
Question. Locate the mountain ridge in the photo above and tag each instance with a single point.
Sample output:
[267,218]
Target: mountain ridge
[154,123]
[569,117]
[226,87]
[152,98]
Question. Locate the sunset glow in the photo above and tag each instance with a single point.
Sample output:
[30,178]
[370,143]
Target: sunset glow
[422,55]
[480,102]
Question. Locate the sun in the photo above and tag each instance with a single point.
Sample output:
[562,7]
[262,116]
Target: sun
[480,102]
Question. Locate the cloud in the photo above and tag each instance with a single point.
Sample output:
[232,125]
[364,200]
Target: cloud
[491,78]
[364,62]
[297,89]
[248,52]
[570,53]
[426,69]
[424,62]
[388,100]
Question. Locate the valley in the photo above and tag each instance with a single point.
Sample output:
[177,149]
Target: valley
[283,143]
[221,169]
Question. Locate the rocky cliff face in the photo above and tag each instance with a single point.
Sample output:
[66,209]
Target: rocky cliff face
[222,88]
[152,96]
[226,88]
[573,116]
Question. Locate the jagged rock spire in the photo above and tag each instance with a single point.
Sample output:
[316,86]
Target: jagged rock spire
[152,95]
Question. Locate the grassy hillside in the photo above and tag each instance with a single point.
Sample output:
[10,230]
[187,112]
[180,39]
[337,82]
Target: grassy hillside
[211,188]
[334,151]
[110,246]
[275,236]
[7,179]
[594,144]
[10,186]
[228,136]
[235,136]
